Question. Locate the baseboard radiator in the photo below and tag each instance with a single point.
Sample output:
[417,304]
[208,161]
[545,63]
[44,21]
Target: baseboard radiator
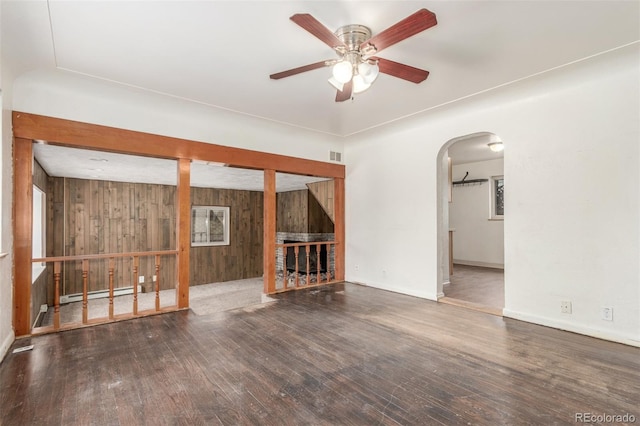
[98,294]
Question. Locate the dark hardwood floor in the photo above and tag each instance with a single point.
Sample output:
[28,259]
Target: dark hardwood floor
[477,288]
[323,357]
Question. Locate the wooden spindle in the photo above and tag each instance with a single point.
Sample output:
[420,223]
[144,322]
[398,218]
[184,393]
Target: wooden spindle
[111,268]
[296,249]
[318,263]
[307,250]
[136,263]
[85,290]
[328,264]
[57,267]
[157,282]
[285,280]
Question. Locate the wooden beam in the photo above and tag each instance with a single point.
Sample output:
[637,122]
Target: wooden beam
[57,131]
[269,239]
[183,226]
[22,234]
[339,227]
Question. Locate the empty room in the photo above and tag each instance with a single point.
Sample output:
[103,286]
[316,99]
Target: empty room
[320,212]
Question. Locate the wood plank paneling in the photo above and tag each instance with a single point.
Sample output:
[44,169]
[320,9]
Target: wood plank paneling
[242,258]
[292,211]
[319,221]
[299,211]
[117,217]
[111,217]
[323,193]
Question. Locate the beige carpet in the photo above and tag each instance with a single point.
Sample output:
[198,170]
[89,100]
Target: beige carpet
[204,299]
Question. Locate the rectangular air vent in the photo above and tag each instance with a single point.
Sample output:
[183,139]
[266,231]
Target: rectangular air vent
[335,156]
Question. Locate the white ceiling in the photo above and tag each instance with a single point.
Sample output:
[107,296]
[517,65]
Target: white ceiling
[86,164]
[473,148]
[221,53]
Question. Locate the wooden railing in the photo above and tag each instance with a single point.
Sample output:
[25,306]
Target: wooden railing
[309,275]
[85,259]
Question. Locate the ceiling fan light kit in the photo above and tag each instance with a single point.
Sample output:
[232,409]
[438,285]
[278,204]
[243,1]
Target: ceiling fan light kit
[356,68]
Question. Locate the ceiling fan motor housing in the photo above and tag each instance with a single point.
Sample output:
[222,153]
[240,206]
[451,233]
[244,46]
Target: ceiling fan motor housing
[353,36]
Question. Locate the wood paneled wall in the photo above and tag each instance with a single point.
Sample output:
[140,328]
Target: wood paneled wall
[291,211]
[242,258]
[299,211]
[323,192]
[97,217]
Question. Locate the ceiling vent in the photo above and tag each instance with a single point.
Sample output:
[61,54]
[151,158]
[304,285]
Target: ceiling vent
[335,156]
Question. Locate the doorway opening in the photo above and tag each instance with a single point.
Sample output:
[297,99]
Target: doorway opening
[471,223]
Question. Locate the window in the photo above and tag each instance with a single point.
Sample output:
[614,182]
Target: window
[497,197]
[38,235]
[209,226]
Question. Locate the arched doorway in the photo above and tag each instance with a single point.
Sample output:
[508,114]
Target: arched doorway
[471,222]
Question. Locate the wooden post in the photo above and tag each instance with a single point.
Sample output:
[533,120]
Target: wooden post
[339,228]
[285,278]
[85,295]
[157,282]
[22,234]
[296,250]
[136,264]
[56,294]
[269,232]
[183,227]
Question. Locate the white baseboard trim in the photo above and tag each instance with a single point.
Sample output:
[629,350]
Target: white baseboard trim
[474,263]
[401,290]
[6,344]
[574,328]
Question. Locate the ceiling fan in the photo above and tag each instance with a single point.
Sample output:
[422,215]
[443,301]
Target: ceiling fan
[357,66]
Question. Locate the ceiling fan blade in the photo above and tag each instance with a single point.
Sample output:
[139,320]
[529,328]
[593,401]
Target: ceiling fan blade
[294,71]
[405,72]
[409,26]
[345,93]
[323,33]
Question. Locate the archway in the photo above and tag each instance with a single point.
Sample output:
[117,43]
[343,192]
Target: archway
[470,223]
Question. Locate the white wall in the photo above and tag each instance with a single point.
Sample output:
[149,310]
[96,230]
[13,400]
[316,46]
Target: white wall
[62,94]
[6,235]
[572,228]
[477,240]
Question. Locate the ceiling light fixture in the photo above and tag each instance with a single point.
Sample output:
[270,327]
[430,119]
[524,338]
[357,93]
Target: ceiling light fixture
[496,146]
[354,66]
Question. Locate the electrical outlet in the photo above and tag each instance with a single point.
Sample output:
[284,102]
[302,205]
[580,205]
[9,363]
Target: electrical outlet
[356,267]
[155,278]
[141,279]
[565,307]
[607,313]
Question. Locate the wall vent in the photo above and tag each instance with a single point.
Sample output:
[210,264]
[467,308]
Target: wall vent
[335,156]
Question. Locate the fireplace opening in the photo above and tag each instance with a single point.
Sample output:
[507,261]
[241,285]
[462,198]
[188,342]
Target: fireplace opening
[302,258]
